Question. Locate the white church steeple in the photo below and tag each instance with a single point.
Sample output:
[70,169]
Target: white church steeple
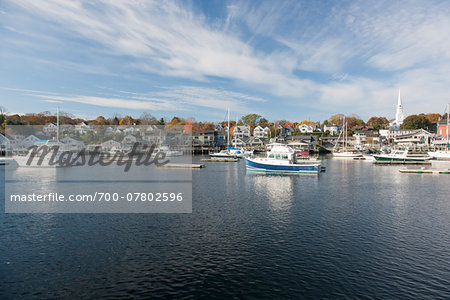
[399,115]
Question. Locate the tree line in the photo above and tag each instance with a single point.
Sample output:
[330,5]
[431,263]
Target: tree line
[353,121]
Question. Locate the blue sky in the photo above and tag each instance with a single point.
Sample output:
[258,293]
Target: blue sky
[290,60]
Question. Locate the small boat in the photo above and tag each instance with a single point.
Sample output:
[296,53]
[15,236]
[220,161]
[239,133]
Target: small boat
[400,155]
[168,152]
[282,159]
[41,159]
[440,155]
[347,154]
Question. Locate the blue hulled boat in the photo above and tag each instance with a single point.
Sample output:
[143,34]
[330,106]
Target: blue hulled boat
[282,159]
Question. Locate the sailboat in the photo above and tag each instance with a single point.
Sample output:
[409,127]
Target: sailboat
[344,152]
[229,152]
[443,154]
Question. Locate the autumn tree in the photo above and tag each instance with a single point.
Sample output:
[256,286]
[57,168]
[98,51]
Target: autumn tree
[148,119]
[378,122]
[416,122]
[336,119]
[100,121]
[433,118]
[127,120]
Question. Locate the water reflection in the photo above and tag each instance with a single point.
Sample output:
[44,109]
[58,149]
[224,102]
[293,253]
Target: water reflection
[278,189]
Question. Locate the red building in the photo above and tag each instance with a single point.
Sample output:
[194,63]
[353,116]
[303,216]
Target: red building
[442,128]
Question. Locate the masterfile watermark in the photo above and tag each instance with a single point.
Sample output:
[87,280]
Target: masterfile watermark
[98,169]
[53,156]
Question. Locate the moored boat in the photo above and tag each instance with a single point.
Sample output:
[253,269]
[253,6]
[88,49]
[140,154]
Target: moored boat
[282,159]
[400,156]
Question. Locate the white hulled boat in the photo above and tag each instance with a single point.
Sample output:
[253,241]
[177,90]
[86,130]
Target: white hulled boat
[229,152]
[344,152]
[282,159]
[400,156]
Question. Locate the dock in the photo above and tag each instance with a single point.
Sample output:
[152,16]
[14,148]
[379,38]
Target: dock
[183,166]
[428,163]
[425,171]
[219,159]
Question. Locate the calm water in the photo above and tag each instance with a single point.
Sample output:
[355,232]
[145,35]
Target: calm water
[357,230]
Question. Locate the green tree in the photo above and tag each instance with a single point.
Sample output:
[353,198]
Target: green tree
[251,119]
[416,122]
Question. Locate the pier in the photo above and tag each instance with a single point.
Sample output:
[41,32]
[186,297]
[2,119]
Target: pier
[428,163]
[183,166]
[425,171]
[219,159]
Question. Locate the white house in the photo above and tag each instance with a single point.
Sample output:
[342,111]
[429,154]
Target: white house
[83,128]
[332,129]
[241,131]
[72,144]
[261,133]
[240,142]
[29,141]
[50,128]
[303,128]
[128,142]
[111,145]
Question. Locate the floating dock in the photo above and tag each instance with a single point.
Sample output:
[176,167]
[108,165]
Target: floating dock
[403,162]
[183,166]
[219,159]
[425,171]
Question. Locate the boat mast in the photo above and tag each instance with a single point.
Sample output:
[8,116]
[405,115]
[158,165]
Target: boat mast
[228,138]
[448,142]
[345,133]
[57,124]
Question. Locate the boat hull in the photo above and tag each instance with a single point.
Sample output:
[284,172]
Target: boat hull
[402,159]
[443,155]
[260,166]
[347,154]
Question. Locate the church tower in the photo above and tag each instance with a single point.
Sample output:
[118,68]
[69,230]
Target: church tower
[399,115]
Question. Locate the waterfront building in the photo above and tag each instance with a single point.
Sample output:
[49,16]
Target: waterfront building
[49,128]
[110,145]
[72,144]
[441,128]
[303,128]
[83,128]
[260,132]
[419,137]
[241,131]
[332,129]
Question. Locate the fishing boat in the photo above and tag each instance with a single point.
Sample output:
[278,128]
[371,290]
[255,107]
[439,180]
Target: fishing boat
[400,156]
[443,154]
[345,152]
[283,159]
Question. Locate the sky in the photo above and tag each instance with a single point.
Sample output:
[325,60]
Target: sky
[292,60]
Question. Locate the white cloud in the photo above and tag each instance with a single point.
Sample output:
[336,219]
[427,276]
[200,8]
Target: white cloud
[377,46]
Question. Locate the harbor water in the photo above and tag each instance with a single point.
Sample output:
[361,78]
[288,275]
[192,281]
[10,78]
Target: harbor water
[358,230]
